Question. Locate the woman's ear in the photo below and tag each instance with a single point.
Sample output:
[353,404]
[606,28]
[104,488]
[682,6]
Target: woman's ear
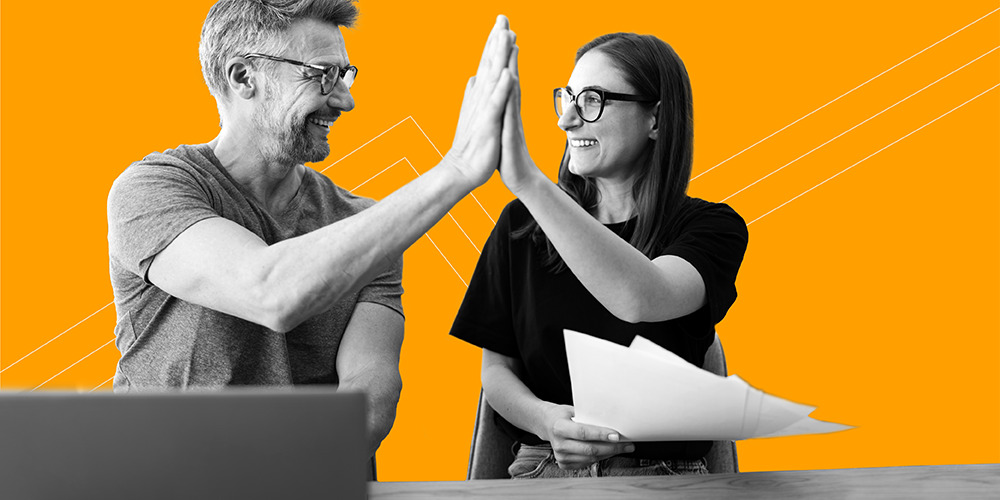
[239,78]
[653,128]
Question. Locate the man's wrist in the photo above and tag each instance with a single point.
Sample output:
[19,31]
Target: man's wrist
[456,173]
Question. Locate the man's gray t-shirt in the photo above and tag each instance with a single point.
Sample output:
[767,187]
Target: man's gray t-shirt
[168,342]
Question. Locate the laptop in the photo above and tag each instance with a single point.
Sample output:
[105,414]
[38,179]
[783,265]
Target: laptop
[245,444]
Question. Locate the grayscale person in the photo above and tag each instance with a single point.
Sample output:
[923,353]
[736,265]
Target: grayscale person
[616,249]
[233,263]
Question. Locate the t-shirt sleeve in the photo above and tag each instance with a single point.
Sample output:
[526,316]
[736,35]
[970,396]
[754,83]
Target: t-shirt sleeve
[149,206]
[714,241]
[485,317]
[386,289]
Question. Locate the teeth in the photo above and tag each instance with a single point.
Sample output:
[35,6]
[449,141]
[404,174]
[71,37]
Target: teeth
[323,123]
[582,143]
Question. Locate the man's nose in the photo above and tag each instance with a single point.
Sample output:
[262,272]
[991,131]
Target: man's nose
[341,98]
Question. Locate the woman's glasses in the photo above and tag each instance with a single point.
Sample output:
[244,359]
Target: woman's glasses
[589,102]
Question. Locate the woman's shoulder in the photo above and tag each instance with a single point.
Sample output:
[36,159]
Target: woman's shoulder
[514,216]
[696,211]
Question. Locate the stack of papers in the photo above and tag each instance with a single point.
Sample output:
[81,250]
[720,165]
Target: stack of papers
[648,393]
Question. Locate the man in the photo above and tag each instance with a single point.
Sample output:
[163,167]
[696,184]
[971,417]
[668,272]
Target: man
[232,263]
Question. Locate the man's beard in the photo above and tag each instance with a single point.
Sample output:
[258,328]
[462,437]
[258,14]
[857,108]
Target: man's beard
[289,145]
[297,145]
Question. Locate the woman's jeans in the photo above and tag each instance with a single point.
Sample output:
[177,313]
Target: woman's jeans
[539,462]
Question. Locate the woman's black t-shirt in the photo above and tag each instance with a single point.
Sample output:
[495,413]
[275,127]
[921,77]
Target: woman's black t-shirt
[518,307]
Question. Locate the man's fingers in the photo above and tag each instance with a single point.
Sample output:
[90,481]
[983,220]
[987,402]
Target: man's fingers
[498,99]
[500,52]
[512,60]
[494,38]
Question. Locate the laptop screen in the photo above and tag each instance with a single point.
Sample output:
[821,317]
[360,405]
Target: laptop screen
[246,443]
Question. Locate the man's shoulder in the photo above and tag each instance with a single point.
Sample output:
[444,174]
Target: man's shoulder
[191,159]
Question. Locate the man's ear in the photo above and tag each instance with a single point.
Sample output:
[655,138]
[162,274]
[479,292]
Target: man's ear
[240,78]
[654,126]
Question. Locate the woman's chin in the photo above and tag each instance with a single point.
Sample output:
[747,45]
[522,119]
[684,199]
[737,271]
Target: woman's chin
[576,169]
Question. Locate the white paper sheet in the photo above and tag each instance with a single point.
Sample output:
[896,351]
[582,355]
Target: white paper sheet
[648,393]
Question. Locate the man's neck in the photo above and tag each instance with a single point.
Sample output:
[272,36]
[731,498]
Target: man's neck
[273,184]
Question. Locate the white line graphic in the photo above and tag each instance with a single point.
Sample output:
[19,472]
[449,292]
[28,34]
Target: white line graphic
[873,154]
[845,93]
[860,124]
[74,364]
[103,384]
[446,260]
[57,336]
[365,144]
[380,173]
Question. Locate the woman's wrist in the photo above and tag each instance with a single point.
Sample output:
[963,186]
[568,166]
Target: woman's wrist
[545,420]
[533,186]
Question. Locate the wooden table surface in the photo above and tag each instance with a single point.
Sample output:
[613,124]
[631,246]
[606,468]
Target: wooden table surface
[949,482]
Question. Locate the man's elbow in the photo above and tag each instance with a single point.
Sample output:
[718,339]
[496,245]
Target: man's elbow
[389,399]
[274,307]
[384,408]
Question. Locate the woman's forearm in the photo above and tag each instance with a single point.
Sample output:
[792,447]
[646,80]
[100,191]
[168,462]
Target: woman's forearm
[508,395]
[626,282]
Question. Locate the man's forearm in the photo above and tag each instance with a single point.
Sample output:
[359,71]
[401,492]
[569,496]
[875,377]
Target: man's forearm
[307,274]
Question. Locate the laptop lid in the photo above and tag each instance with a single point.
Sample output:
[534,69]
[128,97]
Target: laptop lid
[246,443]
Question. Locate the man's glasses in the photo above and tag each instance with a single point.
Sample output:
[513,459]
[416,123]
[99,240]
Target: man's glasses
[589,102]
[328,75]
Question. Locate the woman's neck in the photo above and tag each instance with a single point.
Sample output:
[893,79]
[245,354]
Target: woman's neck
[615,202]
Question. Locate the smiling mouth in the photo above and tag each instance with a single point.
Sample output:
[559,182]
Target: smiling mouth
[582,143]
[321,122]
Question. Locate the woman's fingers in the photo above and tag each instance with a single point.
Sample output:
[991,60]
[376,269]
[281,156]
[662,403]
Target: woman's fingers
[579,445]
[593,450]
[584,432]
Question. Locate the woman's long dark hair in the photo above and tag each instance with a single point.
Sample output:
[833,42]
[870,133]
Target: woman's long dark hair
[655,71]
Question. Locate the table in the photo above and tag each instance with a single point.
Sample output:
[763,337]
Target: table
[950,482]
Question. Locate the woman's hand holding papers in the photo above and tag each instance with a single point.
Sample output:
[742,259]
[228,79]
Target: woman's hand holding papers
[578,445]
[575,445]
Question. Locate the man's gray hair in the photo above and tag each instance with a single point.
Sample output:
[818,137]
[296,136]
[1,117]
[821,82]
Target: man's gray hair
[237,27]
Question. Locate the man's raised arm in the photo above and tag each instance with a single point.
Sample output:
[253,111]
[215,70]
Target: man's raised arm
[219,264]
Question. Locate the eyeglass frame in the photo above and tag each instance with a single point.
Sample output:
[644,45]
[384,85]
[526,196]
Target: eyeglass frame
[324,70]
[604,94]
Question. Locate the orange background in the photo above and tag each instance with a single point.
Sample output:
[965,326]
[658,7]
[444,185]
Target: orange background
[874,296]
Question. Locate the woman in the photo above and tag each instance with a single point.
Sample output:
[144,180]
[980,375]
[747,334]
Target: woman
[616,249]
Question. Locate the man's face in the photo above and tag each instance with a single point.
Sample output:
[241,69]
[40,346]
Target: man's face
[293,117]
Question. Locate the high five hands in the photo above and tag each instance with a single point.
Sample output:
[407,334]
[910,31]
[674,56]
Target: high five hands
[490,134]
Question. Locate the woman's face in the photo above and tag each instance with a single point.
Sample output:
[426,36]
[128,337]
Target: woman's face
[611,147]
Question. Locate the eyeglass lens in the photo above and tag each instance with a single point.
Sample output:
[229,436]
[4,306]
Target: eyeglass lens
[330,77]
[588,103]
